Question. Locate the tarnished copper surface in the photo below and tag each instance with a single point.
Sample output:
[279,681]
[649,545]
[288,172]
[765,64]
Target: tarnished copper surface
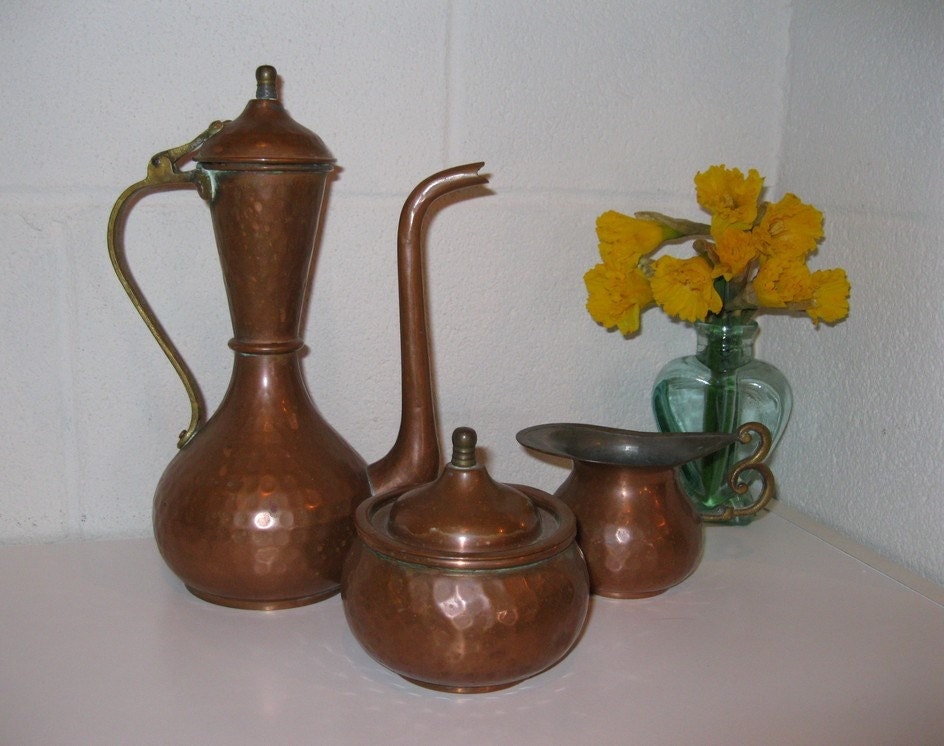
[640,533]
[256,509]
[465,585]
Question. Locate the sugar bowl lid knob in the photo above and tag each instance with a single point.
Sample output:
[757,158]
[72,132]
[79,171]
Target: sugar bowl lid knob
[463,447]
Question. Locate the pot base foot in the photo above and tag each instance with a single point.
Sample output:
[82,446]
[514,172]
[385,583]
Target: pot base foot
[625,594]
[461,689]
[242,603]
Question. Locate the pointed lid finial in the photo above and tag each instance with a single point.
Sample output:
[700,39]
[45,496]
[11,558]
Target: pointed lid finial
[266,82]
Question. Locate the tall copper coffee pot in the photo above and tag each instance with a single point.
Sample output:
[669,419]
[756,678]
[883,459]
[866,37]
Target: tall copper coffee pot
[256,509]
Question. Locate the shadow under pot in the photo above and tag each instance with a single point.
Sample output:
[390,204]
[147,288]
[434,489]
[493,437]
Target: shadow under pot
[639,531]
[465,584]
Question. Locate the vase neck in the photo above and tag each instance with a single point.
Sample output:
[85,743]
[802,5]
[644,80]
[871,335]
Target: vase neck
[724,346]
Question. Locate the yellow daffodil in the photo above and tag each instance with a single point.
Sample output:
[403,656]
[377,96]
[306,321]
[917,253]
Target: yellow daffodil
[684,287]
[734,250]
[830,296]
[790,227]
[753,256]
[781,281]
[617,295]
[729,196]
[625,240]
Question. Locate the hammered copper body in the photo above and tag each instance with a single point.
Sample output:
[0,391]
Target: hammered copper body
[640,533]
[256,509]
[465,585]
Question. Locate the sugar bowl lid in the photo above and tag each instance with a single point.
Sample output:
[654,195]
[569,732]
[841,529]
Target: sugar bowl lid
[466,519]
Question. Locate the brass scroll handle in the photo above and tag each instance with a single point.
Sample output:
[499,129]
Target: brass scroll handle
[754,462]
[162,173]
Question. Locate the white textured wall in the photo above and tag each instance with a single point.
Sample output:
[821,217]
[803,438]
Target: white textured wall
[864,140]
[576,108]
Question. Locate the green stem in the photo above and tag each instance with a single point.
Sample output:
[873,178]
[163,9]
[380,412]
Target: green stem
[721,411]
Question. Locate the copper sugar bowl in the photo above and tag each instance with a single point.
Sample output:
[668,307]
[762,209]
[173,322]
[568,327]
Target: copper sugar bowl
[465,584]
[640,533]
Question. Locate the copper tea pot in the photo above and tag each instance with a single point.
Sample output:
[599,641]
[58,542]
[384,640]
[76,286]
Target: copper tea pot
[639,531]
[256,509]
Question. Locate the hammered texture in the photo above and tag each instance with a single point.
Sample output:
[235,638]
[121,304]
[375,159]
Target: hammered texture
[639,532]
[465,631]
[257,510]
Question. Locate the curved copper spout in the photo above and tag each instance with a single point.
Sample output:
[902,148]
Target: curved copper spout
[415,456]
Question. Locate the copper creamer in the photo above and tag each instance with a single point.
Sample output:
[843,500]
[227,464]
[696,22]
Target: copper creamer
[256,509]
[639,531]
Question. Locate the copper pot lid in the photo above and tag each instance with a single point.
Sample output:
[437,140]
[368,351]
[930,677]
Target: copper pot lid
[464,518]
[265,134]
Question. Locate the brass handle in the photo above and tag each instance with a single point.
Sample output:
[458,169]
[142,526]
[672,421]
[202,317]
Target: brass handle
[754,462]
[162,173]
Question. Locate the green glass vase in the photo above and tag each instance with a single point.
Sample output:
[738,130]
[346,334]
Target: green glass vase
[718,389]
